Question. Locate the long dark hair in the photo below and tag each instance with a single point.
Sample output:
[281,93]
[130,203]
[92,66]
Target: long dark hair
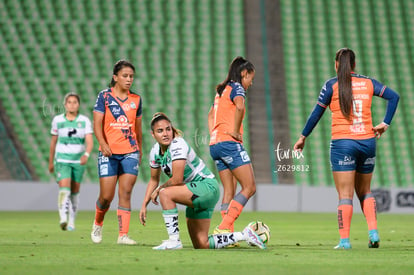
[161,116]
[119,66]
[236,67]
[346,64]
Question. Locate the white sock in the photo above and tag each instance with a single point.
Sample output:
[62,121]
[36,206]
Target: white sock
[73,208]
[171,223]
[225,239]
[63,203]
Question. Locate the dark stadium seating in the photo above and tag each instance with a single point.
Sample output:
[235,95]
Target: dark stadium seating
[181,49]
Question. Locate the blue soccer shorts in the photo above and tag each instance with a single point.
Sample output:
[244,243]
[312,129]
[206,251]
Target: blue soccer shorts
[229,155]
[118,164]
[351,154]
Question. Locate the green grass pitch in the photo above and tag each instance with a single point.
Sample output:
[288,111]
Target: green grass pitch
[301,243]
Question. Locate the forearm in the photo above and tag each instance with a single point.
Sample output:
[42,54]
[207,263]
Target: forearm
[139,140]
[152,185]
[52,150]
[99,134]
[51,155]
[171,182]
[313,120]
[393,99]
[238,118]
[89,144]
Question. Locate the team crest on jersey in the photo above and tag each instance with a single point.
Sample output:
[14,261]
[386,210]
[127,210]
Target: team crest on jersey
[79,125]
[133,106]
[126,107]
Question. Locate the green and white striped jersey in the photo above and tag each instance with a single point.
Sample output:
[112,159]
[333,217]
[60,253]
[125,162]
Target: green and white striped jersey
[70,144]
[195,169]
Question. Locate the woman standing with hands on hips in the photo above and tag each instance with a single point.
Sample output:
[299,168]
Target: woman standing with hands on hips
[353,145]
[226,141]
[118,129]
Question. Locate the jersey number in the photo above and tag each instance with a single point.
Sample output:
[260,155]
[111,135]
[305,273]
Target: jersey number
[357,109]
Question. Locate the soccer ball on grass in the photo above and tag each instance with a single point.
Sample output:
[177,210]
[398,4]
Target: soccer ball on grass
[261,229]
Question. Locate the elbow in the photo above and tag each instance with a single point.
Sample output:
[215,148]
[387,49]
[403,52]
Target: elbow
[397,98]
[240,108]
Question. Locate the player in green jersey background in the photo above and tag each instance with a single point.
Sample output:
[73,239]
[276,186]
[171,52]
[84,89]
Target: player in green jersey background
[70,146]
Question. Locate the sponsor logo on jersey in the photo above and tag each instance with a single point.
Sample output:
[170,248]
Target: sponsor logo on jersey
[166,169]
[115,111]
[357,86]
[113,103]
[357,128]
[72,132]
[121,123]
[176,152]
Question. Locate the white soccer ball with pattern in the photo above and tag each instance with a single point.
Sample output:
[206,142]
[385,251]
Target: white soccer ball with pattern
[261,229]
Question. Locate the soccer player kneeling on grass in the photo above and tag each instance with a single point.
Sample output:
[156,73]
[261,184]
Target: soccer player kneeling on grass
[192,184]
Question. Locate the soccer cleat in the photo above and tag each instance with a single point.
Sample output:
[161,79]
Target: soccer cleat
[221,231]
[124,239]
[217,230]
[96,234]
[374,240]
[63,225]
[343,244]
[169,245]
[71,228]
[252,238]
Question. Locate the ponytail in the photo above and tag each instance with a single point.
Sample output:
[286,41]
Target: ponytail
[345,59]
[236,67]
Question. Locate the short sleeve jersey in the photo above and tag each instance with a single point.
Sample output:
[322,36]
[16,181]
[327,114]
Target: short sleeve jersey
[195,169]
[224,111]
[70,144]
[119,120]
[360,124]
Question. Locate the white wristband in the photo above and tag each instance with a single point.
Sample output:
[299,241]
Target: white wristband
[86,154]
